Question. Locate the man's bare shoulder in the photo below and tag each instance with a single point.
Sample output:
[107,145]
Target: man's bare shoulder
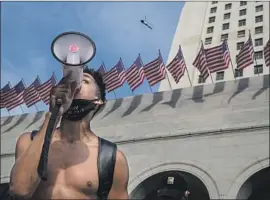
[120,157]
[121,166]
[24,138]
[121,177]
[23,142]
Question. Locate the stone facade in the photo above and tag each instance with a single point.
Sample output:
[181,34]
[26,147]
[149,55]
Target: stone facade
[218,133]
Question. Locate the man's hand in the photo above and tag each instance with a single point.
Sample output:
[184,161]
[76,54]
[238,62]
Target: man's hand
[63,93]
[120,178]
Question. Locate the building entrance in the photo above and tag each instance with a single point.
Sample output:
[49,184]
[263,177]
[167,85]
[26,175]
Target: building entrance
[256,187]
[171,185]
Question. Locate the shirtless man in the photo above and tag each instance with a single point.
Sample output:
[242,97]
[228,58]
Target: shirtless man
[72,160]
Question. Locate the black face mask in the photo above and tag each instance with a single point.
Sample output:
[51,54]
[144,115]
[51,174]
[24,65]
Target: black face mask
[79,109]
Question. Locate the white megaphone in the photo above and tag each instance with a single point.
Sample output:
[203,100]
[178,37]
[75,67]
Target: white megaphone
[73,50]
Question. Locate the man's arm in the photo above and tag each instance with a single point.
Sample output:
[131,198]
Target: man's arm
[120,178]
[24,178]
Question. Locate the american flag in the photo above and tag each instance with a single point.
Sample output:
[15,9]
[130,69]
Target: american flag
[267,53]
[218,57]
[115,78]
[45,88]
[246,54]
[155,70]
[201,64]
[31,96]
[177,66]
[3,93]
[14,96]
[102,70]
[135,74]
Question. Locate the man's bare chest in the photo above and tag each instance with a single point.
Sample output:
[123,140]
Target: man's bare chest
[72,170]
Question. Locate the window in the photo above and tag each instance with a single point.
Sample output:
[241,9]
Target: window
[208,40]
[227,16]
[238,73]
[241,34]
[258,18]
[220,76]
[258,42]
[259,8]
[258,30]
[226,26]
[210,29]
[228,6]
[211,19]
[242,22]
[239,45]
[258,55]
[214,2]
[243,12]
[201,79]
[243,3]
[258,69]
[213,10]
[224,37]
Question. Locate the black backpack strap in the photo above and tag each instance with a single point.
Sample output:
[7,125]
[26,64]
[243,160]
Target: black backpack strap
[106,163]
[33,134]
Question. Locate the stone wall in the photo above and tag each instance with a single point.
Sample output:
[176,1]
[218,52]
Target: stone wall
[218,132]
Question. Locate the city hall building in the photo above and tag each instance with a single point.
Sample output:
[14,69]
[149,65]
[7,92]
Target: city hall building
[214,136]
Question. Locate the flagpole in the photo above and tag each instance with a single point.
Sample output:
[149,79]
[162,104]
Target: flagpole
[26,87]
[5,105]
[230,59]
[20,105]
[125,75]
[143,68]
[55,77]
[165,69]
[254,58]
[185,66]
[23,91]
[207,63]
[106,72]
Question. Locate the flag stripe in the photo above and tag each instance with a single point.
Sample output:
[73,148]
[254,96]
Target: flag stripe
[45,88]
[3,93]
[201,64]
[246,55]
[135,74]
[177,66]
[116,77]
[31,95]
[217,57]
[266,51]
[155,71]
[14,96]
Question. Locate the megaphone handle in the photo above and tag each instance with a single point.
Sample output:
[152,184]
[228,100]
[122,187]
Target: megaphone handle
[43,161]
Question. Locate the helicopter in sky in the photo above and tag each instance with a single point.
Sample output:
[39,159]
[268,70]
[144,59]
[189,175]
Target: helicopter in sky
[144,22]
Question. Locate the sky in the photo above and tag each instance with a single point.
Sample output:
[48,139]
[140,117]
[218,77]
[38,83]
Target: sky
[28,29]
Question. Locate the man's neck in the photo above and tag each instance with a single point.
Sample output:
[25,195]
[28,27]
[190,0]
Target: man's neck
[72,131]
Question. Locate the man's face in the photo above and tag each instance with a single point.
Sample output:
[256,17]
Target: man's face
[89,88]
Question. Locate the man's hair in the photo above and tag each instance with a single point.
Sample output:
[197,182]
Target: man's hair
[99,81]
[101,85]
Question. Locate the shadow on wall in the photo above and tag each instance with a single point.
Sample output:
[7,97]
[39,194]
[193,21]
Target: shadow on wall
[265,86]
[242,85]
[37,117]
[197,96]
